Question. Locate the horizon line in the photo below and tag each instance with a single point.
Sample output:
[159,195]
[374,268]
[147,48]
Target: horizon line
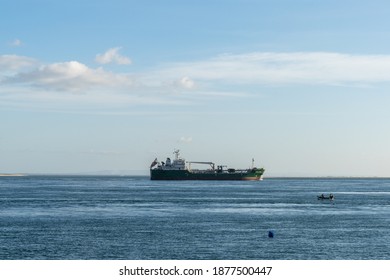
[88,174]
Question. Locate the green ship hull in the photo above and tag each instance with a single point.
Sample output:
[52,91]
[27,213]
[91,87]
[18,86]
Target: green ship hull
[249,174]
[179,169]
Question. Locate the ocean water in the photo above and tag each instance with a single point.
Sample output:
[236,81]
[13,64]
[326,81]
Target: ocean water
[65,217]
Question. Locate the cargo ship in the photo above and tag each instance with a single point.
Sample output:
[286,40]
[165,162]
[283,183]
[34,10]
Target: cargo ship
[179,169]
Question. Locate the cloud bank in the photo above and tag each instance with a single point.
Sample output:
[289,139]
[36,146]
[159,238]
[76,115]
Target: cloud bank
[173,83]
[287,68]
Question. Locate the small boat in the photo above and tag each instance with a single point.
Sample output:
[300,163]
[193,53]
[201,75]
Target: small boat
[323,197]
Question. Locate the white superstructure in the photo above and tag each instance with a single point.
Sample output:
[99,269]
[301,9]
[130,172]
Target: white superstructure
[177,164]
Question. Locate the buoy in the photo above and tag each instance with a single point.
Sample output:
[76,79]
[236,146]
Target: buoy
[271,234]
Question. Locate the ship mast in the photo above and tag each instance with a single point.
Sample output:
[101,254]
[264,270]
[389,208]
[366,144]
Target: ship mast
[176,152]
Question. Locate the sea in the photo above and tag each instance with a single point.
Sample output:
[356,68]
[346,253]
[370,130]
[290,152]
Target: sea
[134,218]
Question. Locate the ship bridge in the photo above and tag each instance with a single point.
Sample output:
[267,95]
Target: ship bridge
[176,164]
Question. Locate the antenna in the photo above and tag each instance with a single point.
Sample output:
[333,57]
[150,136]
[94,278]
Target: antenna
[176,152]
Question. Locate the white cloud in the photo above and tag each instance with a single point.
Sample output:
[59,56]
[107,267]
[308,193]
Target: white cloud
[187,83]
[15,62]
[285,68]
[16,43]
[112,56]
[186,140]
[70,76]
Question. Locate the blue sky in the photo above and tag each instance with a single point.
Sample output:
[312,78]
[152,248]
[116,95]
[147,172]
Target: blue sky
[90,86]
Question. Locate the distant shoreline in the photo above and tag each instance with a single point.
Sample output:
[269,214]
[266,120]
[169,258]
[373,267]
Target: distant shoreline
[12,175]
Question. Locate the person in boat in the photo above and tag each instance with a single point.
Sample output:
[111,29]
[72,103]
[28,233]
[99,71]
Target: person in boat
[331,196]
[322,196]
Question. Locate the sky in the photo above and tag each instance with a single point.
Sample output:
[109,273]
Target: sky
[107,86]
